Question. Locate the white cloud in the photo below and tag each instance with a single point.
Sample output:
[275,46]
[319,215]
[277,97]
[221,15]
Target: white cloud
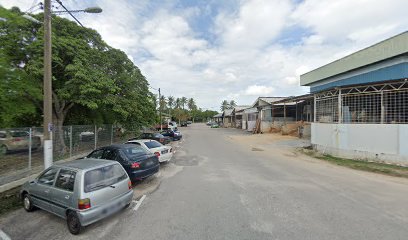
[241,54]
[256,90]
[362,21]
[256,24]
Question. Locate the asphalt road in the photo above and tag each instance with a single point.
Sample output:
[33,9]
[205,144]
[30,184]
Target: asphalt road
[216,188]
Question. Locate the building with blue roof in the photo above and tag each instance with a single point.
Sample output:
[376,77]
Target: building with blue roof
[360,107]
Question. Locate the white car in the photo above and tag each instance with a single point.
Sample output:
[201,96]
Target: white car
[165,153]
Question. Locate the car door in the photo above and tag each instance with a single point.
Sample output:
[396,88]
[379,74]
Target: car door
[110,154]
[62,195]
[40,191]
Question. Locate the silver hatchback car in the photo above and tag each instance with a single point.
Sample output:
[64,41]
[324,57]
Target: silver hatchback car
[80,191]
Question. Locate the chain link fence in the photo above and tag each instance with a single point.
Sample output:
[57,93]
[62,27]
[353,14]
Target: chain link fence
[21,149]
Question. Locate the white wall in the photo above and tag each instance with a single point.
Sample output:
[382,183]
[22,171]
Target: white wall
[386,142]
[251,125]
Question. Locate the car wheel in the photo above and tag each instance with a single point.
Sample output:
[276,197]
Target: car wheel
[3,150]
[73,223]
[27,203]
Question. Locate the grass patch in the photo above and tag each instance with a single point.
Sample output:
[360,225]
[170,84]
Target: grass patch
[9,200]
[376,167]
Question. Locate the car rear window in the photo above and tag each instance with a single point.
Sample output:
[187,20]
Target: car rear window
[103,177]
[152,144]
[134,152]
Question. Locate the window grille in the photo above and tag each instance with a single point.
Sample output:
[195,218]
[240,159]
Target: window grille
[381,103]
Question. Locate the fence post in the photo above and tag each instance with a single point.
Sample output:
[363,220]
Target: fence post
[111,136]
[95,137]
[339,105]
[70,141]
[30,141]
[314,108]
[382,108]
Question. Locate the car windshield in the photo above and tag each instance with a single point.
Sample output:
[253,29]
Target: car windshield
[153,144]
[102,177]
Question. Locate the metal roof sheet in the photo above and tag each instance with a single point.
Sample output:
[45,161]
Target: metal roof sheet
[383,50]
[228,112]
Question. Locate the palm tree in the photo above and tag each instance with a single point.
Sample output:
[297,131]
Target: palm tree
[162,102]
[224,105]
[232,104]
[191,104]
[178,103]
[183,102]
[170,102]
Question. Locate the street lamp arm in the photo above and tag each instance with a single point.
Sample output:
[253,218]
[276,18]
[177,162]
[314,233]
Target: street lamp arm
[60,3]
[86,10]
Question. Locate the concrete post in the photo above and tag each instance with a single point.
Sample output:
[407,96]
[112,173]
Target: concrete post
[382,108]
[95,137]
[314,109]
[111,137]
[30,143]
[70,141]
[339,103]
[296,110]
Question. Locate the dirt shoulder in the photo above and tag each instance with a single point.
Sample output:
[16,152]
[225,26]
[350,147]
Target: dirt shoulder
[288,145]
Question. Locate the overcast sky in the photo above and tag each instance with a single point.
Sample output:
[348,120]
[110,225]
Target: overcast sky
[237,49]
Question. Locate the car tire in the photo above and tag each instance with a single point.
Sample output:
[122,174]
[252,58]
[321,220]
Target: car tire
[27,203]
[73,223]
[3,150]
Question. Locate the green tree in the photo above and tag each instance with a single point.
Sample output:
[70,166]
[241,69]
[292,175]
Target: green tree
[232,104]
[87,73]
[224,105]
[178,103]
[183,102]
[170,102]
[191,104]
[163,102]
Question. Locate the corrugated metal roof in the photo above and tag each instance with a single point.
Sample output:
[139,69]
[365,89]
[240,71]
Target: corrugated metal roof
[271,99]
[251,110]
[386,49]
[218,115]
[240,108]
[267,100]
[398,71]
[228,112]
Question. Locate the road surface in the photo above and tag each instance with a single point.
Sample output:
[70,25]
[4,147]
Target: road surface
[219,188]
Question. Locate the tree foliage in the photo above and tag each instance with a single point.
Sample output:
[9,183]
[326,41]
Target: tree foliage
[92,82]
[227,105]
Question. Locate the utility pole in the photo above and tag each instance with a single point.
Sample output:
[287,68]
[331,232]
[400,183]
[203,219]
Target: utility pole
[161,124]
[48,127]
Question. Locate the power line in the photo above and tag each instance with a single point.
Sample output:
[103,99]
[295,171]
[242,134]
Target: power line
[60,3]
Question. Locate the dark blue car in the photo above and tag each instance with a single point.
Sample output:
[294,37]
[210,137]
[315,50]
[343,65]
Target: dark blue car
[138,162]
[175,135]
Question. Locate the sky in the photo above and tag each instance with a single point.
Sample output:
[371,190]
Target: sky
[213,50]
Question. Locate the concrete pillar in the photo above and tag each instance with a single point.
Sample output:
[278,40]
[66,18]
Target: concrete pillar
[314,108]
[382,108]
[340,116]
